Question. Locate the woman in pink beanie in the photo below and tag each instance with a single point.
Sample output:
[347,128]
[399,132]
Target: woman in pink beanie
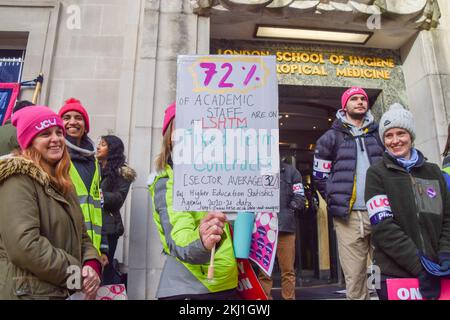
[42,231]
[188,237]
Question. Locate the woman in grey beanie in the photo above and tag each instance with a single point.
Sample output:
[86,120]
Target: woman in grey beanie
[409,209]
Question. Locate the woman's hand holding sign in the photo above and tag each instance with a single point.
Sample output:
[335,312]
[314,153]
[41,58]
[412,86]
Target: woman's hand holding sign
[211,228]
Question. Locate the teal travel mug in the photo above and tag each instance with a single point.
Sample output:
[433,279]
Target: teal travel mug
[242,236]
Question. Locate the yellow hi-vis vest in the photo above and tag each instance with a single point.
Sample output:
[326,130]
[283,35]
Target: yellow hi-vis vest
[90,203]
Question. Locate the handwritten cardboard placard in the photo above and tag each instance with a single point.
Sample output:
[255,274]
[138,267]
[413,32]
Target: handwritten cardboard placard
[408,289]
[264,241]
[226,153]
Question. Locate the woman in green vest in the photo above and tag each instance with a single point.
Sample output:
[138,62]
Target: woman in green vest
[188,238]
[85,171]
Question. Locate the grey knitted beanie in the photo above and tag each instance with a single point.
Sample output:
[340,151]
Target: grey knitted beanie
[397,117]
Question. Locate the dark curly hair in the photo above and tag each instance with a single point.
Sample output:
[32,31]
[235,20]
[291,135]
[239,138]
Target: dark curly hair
[115,158]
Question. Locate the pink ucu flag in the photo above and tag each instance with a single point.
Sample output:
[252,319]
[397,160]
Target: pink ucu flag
[379,209]
[46,124]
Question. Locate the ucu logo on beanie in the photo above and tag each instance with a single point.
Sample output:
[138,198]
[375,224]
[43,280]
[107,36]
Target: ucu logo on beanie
[46,124]
[31,121]
[352,91]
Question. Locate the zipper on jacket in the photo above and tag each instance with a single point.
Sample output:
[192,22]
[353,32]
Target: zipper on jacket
[416,187]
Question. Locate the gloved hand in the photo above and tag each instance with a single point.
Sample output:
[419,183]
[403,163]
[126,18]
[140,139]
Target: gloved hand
[444,261]
[296,205]
[429,286]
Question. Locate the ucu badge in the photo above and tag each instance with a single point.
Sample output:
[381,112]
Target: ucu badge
[46,124]
[379,208]
[322,165]
[298,189]
[380,201]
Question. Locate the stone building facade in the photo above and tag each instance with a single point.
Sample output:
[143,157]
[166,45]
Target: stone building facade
[119,58]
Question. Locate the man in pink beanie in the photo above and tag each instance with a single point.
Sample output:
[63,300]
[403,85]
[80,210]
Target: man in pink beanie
[342,156]
[353,91]
[75,105]
[85,171]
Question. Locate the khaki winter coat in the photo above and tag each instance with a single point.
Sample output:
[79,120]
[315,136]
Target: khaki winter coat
[41,234]
[8,138]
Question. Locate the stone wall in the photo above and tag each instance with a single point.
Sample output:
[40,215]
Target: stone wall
[427,74]
[86,49]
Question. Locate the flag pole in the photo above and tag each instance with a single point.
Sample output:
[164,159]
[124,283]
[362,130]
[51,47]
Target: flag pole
[37,90]
[211,264]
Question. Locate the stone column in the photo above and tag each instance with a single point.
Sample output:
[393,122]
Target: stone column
[170,28]
[427,75]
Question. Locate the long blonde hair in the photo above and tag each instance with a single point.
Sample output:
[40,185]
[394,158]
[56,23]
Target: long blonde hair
[166,149]
[60,177]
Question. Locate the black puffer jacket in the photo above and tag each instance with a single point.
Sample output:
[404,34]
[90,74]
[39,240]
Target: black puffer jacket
[114,194]
[409,212]
[336,153]
[292,197]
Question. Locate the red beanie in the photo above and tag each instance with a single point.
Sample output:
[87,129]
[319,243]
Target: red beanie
[73,104]
[31,121]
[351,92]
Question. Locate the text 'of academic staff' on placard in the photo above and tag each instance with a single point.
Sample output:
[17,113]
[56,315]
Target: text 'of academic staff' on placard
[225,141]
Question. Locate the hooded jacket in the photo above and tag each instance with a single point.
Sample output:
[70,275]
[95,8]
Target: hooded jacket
[42,233]
[114,195]
[186,268]
[409,213]
[335,163]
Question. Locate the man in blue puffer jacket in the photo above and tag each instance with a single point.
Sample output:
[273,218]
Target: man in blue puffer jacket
[342,156]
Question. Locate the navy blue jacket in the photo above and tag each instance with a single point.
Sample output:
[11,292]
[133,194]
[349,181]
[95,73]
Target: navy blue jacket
[335,164]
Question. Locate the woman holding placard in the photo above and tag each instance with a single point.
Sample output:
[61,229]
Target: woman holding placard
[189,238]
[409,209]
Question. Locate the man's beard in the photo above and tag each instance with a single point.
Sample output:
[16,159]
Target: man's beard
[356,116]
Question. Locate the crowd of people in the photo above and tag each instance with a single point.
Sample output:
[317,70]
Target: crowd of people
[61,198]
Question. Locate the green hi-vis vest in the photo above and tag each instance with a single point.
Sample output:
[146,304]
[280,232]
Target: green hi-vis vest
[446,170]
[90,203]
